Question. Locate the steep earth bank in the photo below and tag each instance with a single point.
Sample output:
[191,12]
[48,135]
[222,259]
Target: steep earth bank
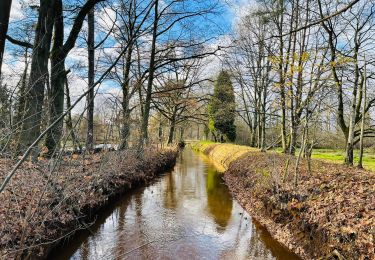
[329,215]
[41,206]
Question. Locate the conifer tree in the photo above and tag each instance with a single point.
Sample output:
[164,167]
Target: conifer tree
[222,109]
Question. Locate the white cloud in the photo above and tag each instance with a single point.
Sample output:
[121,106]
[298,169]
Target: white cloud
[16,12]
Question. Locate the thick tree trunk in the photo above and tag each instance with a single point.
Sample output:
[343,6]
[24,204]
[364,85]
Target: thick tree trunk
[5,6]
[58,56]
[172,127]
[146,110]
[58,78]
[39,71]
[171,131]
[91,78]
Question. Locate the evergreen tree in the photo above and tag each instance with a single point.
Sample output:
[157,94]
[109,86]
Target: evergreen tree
[222,109]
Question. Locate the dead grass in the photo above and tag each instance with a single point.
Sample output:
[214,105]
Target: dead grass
[222,154]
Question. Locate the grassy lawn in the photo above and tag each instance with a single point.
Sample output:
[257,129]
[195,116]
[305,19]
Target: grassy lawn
[338,155]
[330,155]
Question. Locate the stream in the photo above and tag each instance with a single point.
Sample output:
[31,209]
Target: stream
[187,213]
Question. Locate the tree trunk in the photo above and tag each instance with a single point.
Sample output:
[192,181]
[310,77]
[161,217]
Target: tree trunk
[39,71]
[293,120]
[255,127]
[160,130]
[303,145]
[58,77]
[125,131]
[69,121]
[260,126]
[91,78]
[182,133]
[282,72]
[263,136]
[332,46]
[146,111]
[172,129]
[59,53]
[206,131]
[360,161]
[349,159]
[22,91]
[5,6]
[255,133]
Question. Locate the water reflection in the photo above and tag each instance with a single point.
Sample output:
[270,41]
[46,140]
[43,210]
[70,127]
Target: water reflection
[186,214]
[219,200]
[170,199]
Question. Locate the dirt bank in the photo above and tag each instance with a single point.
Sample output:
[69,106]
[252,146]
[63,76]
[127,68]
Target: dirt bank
[330,215]
[38,208]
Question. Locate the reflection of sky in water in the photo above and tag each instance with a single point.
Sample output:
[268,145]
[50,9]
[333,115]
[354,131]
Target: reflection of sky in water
[188,214]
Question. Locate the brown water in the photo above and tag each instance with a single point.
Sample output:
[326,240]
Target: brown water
[186,214]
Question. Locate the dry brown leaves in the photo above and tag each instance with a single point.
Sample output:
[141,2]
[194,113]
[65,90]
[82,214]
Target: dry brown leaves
[40,205]
[331,213]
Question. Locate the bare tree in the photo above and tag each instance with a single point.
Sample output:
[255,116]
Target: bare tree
[4,21]
[91,77]
[360,23]
[34,94]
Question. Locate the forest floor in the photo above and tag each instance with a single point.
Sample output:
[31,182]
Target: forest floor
[41,206]
[329,215]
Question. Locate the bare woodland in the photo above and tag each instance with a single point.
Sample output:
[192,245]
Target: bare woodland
[80,77]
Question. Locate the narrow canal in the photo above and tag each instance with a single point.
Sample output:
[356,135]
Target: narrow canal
[185,214]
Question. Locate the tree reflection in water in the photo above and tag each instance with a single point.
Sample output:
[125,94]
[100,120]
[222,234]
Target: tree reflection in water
[188,213]
[219,202]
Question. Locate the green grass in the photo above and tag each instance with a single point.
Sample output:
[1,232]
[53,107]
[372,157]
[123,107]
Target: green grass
[329,155]
[338,156]
[201,145]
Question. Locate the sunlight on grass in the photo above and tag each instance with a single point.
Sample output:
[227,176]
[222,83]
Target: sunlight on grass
[222,154]
[338,156]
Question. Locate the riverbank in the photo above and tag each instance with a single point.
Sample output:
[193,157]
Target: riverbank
[331,213]
[40,208]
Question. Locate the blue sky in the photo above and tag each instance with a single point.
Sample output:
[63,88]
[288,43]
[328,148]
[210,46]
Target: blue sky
[208,26]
